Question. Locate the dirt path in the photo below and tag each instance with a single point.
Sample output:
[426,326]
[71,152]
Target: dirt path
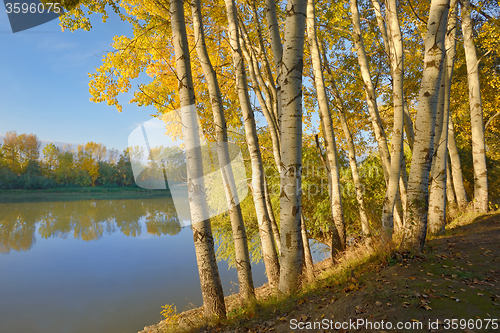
[454,284]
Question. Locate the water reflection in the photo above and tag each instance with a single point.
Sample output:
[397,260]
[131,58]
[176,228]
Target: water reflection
[87,220]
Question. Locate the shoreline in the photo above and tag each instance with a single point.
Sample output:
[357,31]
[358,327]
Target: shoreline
[80,193]
[373,282]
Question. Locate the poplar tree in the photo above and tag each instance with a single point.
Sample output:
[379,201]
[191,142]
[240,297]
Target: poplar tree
[476,113]
[211,287]
[438,191]
[258,191]
[338,238]
[291,140]
[415,227]
[242,257]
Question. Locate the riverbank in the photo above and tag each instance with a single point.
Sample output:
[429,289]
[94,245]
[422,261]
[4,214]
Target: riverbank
[80,193]
[456,277]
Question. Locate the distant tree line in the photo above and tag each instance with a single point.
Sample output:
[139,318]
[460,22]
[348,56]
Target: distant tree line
[91,164]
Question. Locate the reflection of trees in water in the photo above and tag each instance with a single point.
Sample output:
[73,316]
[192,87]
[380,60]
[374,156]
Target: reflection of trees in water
[15,232]
[86,220]
[163,222]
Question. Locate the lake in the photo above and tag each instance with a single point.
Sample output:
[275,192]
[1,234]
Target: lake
[98,265]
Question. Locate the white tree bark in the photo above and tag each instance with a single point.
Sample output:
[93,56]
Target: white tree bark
[397,70]
[266,65]
[365,225]
[291,141]
[415,227]
[327,124]
[383,30]
[274,224]
[476,114]
[242,257]
[309,265]
[269,108]
[371,99]
[211,287]
[450,191]
[456,168]
[263,95]
[277,49]
[258,191]
[437,197]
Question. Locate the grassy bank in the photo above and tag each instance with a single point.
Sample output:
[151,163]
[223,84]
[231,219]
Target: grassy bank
[457,276]
[80,193]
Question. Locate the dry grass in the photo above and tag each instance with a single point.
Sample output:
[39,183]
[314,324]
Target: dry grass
[345,269]
[465,217]
[348,265]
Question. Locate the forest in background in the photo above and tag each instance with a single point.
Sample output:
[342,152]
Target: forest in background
[91,164]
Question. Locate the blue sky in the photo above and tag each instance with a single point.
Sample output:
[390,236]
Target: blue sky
[44,84]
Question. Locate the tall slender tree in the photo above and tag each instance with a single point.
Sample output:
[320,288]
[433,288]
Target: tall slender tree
[476,113]
[365,225]
[242,257]
[338,243]
[211,287]
[291,141]
[397,71]
[371,99]
[438,191]
[415,228]
[258,191]
[456,168]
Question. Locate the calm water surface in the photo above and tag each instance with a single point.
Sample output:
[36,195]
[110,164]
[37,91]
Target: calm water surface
[97,266]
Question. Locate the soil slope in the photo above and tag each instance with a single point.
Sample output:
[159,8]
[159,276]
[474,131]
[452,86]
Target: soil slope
[454,286]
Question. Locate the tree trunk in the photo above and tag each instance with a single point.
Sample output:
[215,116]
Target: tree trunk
[272,125]
[265,229]
[267,108]
[437,195]
[211,287]
[277,49]
[242,257]
[261,89]
[450,192]
[274,224]
[476,114]
[371,99]
[309,265]
[365,225]
[327,124]
[381,24]
[268,75]
[410,132]
[437,198]
[415,227]
[334,235]
[397,69]
[456,168]
[291,143]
